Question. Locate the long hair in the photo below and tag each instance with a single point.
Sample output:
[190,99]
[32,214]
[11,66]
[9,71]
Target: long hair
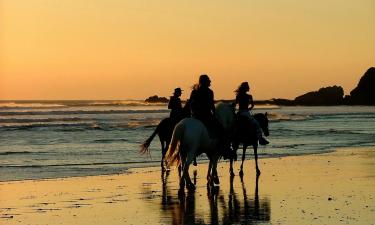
[242,88]
[195,87]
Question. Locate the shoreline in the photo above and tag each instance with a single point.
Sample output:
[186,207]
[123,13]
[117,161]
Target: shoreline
[329,188]
[202,161]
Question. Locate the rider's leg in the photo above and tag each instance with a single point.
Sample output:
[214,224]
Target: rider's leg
[259,131]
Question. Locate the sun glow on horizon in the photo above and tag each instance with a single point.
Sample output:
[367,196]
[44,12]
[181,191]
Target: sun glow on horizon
[77,49]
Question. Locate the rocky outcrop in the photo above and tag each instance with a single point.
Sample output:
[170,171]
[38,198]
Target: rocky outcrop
[324,96]
[156,99]
[364,93]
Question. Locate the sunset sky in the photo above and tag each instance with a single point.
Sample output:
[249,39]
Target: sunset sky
[131,49]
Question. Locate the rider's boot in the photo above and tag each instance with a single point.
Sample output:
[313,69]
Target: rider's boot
[263,141]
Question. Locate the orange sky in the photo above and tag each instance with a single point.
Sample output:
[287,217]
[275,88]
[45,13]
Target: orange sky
[119,49]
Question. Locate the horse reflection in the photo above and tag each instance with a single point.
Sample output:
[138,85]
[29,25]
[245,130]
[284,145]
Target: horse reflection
[246,210]
[181,209]
[235,207]
[257,210]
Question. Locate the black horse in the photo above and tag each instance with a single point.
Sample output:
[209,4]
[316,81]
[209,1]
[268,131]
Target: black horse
[245,133]
[165,130]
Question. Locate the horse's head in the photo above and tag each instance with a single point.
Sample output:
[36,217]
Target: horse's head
[263,122]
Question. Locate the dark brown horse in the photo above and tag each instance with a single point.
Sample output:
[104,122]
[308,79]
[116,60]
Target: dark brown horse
[245,133]
[164,130]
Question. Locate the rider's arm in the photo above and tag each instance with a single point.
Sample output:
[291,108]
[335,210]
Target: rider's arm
[170,103]
[251,102]
[212,103]
[234,103]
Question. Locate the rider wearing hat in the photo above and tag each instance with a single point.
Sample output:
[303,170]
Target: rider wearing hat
[175,106]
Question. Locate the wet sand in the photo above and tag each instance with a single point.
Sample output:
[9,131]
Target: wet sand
[332,188]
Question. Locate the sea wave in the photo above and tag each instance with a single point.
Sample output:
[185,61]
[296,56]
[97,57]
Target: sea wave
[266,106]
[275,117]
[80,112]
[80,126]
[36,105]
[125,103]
[71,103]
[20,153]
[79,164]
[41,120]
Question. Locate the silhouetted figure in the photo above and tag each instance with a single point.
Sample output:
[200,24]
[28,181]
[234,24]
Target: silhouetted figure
[203,106]
[175,106]
[165,128]
[202,100]
[246,104]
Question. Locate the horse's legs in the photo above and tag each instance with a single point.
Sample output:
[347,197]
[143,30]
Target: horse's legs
[214,168]
[231,168]
[189,185]
[255,146]
[182,178]
[162,154]
[209,169]
[243,158]
[235,148]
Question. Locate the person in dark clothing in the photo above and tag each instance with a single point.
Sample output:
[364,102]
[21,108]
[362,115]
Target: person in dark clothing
[203,108]
[246,104]
[202,101]
[175,106]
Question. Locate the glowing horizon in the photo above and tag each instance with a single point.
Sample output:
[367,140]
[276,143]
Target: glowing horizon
[96,50]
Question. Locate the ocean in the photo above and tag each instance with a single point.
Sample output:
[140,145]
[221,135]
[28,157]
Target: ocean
[55,139]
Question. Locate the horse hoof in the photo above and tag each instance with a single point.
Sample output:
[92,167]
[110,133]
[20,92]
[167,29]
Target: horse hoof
[216,181]
[241,173]
[181,193]
[191,187]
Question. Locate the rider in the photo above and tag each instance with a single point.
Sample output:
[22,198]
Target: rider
[202,102]
[244,100]
[175,106]
[203,108]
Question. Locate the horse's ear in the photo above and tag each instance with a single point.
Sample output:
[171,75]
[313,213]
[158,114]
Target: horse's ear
[266,114]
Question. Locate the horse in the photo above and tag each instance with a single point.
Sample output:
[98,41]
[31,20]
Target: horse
[191,138]
[164,130]
[245,133]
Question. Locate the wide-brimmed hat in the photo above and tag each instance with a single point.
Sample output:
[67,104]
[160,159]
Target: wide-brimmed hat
[177,90]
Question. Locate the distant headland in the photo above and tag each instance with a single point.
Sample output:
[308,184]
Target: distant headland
[156,99]
[363,94]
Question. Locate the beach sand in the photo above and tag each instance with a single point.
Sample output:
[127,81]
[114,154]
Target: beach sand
[331,188]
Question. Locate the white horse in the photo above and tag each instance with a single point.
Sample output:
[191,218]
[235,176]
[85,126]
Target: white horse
[190,138]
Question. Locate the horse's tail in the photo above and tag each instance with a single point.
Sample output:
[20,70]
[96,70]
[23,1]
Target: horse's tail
[173,154]
[144,148]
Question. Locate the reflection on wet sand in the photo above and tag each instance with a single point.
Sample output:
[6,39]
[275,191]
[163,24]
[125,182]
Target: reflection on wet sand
[221,208]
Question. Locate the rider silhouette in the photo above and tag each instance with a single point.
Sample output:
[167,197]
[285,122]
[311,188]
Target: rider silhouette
[175,106]
[244,100]
[202,101]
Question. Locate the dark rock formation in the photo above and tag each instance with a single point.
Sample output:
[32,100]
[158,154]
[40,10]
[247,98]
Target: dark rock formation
[364,93]
[324,96]
[281,101]
[156,99]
